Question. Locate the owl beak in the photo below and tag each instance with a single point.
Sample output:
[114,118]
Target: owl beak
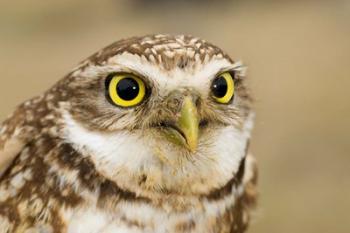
[185,130]
[188,123]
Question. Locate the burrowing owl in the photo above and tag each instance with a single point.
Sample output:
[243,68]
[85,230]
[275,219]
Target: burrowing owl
[150,134]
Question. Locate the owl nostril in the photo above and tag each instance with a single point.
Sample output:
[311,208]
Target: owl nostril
[197,102]
[203,123]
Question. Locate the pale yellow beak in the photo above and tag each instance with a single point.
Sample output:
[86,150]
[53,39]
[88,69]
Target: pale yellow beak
[186,129]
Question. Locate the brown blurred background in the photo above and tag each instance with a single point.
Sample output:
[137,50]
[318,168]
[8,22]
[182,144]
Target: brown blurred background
[299,58]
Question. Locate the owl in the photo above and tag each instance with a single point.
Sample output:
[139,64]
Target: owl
[150,134]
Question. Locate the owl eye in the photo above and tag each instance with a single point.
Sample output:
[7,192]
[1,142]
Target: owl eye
[223,88]
[125,90]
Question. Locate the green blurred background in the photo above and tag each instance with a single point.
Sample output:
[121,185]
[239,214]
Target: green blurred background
[298,53]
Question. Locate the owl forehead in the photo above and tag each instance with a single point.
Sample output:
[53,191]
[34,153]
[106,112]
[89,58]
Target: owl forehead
[166,51]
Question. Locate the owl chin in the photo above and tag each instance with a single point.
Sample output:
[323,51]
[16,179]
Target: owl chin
[174,169]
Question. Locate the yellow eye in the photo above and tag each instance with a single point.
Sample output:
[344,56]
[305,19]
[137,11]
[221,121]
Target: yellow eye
[223,88]
[126,90]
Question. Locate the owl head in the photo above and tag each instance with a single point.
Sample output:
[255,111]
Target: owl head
[159,114]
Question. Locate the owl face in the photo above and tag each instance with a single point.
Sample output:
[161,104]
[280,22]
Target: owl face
[159,114]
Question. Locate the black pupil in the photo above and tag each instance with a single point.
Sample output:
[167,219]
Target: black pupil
[128,89]
[219,87]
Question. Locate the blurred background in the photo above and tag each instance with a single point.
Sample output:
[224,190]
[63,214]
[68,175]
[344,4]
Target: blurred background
[298,53]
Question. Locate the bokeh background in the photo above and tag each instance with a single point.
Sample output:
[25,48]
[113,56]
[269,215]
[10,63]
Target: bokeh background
[298,53]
